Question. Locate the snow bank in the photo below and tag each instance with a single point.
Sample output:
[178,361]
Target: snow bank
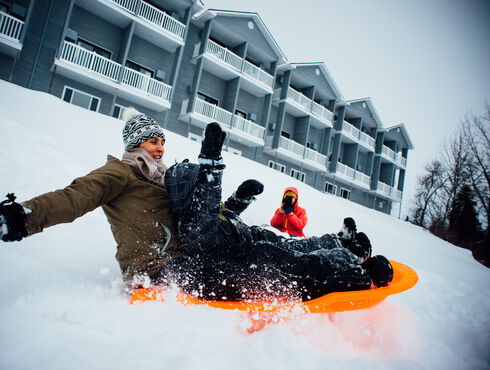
[62,305]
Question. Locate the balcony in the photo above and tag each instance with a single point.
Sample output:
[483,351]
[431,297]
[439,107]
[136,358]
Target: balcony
[224,63]
[94,70]
[396,158]
[299,105]
[353,134]
[389,191]
[239,129]
[294,152]
[152,24]
[352,176]
[10,32]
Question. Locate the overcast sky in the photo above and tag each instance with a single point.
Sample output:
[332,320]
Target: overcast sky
[425,63]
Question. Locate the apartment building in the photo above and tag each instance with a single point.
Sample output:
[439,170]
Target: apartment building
[186,65]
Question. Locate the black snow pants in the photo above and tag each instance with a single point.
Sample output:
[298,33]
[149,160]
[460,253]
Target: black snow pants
[229,260]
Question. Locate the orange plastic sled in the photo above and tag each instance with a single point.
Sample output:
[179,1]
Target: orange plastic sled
[404,278]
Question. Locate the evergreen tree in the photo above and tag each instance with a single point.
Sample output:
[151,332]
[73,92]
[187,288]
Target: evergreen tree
[464,225]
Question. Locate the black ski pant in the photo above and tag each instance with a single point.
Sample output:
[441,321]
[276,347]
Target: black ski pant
[229,260]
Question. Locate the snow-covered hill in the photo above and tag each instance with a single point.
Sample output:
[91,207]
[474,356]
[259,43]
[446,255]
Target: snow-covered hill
[62,305]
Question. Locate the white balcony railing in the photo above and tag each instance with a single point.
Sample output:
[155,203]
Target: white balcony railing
[291,146]
[10,27]
[345,170]
[129,5]
[357,134]
[402,161]
[257,73]
[399,160]
[384,188]
[397,194]
[299,98]
[213,112]
[145,83]
[315,156]
[238,63]
[249,127]
[395,157]
[389,191]
[91,61]
[350,130]
[153,15]
[321,111]
[362,178]
[366,139]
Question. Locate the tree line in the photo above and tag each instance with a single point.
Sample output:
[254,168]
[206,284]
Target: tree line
[452,198]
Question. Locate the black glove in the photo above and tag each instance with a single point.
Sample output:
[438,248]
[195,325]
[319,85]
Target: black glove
[249,188]
[287,205]
[211,146]
[15,219]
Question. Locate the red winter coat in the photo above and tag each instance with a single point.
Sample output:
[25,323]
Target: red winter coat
[292,223]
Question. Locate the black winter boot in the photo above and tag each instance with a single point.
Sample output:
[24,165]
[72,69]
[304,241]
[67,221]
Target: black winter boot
[211,145]
[361,246]
[379,269]
[347,233]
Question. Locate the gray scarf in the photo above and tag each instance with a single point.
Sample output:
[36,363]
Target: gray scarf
[142,162]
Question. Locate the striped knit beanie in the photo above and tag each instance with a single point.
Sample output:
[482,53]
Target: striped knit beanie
[139,128]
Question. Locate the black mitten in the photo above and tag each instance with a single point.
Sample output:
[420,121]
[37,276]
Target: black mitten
[15,219]
[249,188]
[211,146]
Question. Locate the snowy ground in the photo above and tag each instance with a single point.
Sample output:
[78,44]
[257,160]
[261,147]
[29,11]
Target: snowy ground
[62,305]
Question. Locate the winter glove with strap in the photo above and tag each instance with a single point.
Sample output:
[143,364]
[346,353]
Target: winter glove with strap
[12,220]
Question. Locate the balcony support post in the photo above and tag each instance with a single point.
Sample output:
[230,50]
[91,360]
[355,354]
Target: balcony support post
[206,32]
[65,28]
[127,45]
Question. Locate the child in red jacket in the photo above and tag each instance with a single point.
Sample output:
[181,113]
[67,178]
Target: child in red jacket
[290,217]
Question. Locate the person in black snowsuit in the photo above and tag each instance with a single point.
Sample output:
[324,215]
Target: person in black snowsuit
[228,260]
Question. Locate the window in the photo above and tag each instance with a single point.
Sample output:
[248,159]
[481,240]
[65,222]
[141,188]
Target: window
[344,193]
[118,111]
[241,114]
[330,188]
[92,47]
[298,175]
[207,98]
[4,7]
[84,100]
[286,134]
[279,167]
[139,68]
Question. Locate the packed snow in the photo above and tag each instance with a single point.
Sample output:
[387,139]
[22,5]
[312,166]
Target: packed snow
[63,306]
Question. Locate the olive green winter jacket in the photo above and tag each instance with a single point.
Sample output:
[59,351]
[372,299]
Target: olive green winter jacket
[137,210]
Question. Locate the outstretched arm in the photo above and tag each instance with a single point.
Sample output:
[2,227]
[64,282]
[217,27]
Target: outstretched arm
[83,195]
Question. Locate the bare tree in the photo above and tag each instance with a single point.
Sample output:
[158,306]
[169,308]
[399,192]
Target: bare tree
[455,160]
[427,188]
[475,131]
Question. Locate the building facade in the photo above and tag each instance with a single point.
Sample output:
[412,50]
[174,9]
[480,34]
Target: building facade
[186,65]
